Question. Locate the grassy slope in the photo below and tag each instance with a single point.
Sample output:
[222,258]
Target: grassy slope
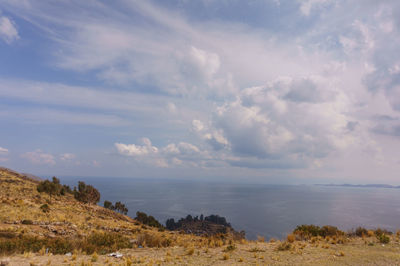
[68,218]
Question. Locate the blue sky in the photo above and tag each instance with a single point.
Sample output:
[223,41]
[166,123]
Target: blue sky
[262,90]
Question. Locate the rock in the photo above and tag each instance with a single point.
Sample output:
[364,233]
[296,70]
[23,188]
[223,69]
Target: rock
[115,255]
[5,262]
[69,254]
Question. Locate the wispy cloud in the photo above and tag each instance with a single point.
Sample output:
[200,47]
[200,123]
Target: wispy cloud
[8,30]
[39,157]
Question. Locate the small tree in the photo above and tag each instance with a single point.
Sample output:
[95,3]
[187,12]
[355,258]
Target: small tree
[148,220]
[86,193]
[48,187]
[108,205]
[120,207]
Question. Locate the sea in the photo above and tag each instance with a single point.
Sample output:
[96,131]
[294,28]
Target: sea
[270,211]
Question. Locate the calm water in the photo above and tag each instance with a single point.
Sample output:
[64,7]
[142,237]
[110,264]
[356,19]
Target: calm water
[266,210]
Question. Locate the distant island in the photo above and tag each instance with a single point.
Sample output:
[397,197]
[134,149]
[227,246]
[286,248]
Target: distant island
[359,185]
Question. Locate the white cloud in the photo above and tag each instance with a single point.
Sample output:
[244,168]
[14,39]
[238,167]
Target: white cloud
[308,5]
[3,154]
[136,150]
[39,157]
[67,156]
[274,122]
[171,107]
[8,31]
[197,125]
[181,154]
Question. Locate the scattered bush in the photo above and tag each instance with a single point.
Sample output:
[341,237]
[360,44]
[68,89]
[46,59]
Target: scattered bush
[86,193]
[290,238]
[190,251]
[309,231]
[45,208]
[284,246]
[370,233]
[108,205]
[95,257]
[379,232]
[260,239]
[230,248]
[329,230]
[53,187]
[384,239]
[361,231]
[119,207]
[214,219]
[152,240]
[95,242]
[256,250]
[148,220]
[306,231]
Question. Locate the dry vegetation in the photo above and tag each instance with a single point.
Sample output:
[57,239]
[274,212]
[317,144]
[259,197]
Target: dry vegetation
[30,235]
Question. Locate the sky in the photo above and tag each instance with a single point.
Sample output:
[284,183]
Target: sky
[270,91]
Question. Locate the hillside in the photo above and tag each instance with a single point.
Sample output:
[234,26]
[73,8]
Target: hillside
[31,236]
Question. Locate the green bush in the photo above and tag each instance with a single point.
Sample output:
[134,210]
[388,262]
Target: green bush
[384,239]
[361,231]
[378,232]
[86,193]
[329,230]
[307,231]
[148,220]
[53,187]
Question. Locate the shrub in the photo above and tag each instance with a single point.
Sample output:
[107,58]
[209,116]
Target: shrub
[384,239]
[86,193]
[260,239]
[230,248]
[105,242]
[290,238]
[379,232]
[53,187]
[329,230]
[306,231]
[148,220]
[45,208]
[94,257]
[108,205]
[190,251]
[361,231]
[284,246]
[153,240]
[309,231]
[120,207]
[96,242]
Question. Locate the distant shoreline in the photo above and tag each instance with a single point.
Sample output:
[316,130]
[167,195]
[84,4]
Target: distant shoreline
[359,185]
